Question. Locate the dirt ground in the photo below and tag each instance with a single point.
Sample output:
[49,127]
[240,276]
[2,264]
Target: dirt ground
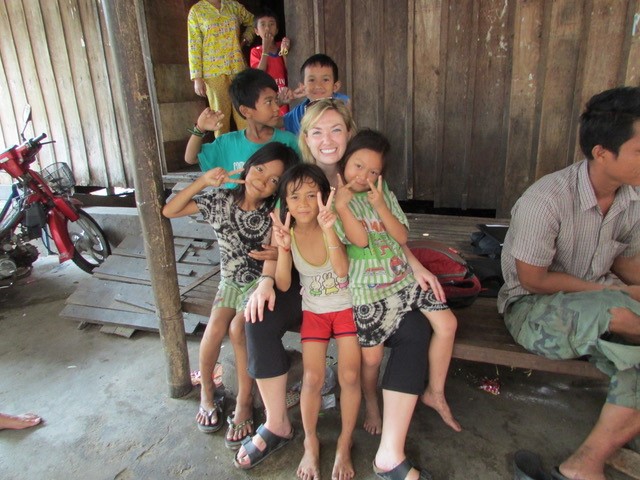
[108,415]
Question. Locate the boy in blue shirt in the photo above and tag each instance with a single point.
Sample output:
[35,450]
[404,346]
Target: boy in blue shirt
[320,80]
[254,95]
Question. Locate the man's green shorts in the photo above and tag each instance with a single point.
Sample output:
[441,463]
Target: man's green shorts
[571,325]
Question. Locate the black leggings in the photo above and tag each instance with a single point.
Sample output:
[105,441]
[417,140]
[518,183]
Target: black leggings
[267,356]
[406,370]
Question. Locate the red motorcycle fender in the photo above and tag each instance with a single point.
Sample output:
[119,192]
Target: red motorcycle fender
[58,227]
[65,208]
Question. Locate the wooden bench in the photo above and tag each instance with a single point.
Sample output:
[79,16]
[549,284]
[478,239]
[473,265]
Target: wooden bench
[482,335]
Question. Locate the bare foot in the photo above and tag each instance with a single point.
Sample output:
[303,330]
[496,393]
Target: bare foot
[309,468]
[19,422]
[372,417]
[342,467]
[437,401]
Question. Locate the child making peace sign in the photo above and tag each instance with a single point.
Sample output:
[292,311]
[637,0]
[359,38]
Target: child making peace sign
[240,218]
[305,236]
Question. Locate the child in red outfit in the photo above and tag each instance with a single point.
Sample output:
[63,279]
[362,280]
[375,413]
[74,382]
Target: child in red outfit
[271,56]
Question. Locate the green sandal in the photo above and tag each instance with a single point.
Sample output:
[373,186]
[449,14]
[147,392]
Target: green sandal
[233,428]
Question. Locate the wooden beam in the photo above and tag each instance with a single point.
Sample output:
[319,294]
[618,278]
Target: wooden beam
[124,19]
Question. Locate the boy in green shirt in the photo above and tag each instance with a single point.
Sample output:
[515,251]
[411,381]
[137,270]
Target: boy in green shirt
[254,95]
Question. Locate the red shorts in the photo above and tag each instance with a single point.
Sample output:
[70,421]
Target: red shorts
[320,327]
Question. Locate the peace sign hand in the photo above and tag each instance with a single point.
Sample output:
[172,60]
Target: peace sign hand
[375,195]
[281,230]
[343,193]
[217,176]
[326,217]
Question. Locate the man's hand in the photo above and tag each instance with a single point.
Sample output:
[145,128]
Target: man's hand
[633,291]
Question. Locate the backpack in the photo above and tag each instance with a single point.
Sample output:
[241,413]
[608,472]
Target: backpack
[460,285]
[488,244]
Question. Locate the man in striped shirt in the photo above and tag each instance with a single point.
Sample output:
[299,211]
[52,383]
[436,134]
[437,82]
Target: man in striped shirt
[571,263]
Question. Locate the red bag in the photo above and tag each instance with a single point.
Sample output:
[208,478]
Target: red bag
[460,285]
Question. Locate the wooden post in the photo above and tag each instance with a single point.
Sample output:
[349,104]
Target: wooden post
[123,20]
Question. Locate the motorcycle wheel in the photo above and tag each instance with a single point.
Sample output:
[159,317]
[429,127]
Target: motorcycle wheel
[90,242]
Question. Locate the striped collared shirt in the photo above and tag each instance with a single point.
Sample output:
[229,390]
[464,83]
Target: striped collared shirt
[558,224]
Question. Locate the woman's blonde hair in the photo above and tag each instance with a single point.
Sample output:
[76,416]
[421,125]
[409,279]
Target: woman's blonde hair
[313,113]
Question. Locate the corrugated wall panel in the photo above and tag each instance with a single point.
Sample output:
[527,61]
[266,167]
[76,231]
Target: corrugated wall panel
[55,59]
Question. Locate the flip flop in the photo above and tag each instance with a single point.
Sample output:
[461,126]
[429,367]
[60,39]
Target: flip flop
[212,427]
[235,444]
[528,466]
[256,456]
[400,472]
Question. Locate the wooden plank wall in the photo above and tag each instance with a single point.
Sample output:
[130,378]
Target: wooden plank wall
[479,97]
[55,56]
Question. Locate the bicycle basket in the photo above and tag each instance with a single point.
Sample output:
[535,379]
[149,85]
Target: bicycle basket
[59,177]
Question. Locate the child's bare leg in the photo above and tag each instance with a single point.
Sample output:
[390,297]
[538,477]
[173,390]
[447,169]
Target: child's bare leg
[18,422]
[244,398]
[371,360]
[350,394]
[444,326]
[313,361]
[214,333]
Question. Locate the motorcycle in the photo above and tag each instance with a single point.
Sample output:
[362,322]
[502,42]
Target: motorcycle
[41,206]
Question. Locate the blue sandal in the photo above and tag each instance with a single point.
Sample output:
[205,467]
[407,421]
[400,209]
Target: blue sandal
[272,441]
[400,472]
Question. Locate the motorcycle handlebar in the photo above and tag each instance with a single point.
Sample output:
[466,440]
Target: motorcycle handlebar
[34,141]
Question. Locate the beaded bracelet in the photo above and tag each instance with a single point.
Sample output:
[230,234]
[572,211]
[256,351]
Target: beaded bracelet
[196,131]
